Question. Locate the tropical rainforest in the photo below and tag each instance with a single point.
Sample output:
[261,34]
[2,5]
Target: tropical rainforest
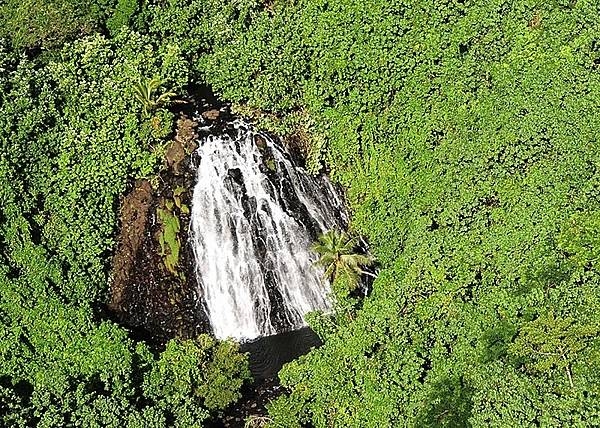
[465,134]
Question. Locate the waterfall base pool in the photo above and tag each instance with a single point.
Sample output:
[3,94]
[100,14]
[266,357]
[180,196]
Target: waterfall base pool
[268,354]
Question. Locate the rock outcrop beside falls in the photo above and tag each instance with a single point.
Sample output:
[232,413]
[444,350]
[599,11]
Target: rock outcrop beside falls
[150,295]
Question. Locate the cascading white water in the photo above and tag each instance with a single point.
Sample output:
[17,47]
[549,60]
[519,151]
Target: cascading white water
[254,217]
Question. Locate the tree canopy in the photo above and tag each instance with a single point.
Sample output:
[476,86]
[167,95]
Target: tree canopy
[464,132]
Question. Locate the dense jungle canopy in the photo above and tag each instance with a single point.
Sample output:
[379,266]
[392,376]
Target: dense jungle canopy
[464,132]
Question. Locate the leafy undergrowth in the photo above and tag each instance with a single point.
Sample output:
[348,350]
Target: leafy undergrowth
[72,136]
[466,135]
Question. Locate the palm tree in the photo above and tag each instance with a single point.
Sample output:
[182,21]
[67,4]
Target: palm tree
[338,255]
[144,93]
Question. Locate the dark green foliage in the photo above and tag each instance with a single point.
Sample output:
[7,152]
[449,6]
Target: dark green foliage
[202,370]
[448,404]
[122,16]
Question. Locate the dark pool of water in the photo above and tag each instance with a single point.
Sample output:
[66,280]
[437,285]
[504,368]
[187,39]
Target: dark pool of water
[268,354]
[266,357]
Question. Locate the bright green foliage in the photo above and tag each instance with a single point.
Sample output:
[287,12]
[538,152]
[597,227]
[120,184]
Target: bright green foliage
[195,26]
[581,239]
[97,141]
[144,92]
[338,254]
[466,135]
[548,343]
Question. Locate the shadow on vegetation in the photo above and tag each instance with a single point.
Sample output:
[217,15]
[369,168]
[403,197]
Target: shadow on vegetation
[448,405]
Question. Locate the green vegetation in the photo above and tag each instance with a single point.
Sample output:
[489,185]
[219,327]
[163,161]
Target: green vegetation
[144,92]
[464,132]
[72,135]
[193,374]
[338,255]
[169,239]
[49,23]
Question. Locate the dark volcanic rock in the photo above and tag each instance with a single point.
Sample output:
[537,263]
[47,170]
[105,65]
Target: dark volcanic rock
[144,295]
[260,142]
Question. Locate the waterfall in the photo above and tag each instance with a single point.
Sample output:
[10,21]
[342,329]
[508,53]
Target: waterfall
[255,214]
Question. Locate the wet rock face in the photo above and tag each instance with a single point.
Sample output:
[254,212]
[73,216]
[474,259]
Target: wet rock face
[155,302]
[159,301]
[182,145]
[260,142]
[144,295]
[134,218]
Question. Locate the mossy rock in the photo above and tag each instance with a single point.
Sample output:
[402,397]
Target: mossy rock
[170,245]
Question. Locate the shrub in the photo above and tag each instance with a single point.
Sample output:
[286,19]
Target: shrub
[48,23]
